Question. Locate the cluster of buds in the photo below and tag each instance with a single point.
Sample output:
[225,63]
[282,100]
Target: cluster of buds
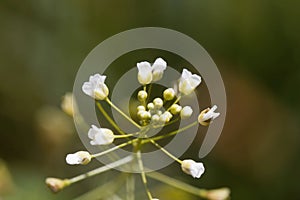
[151,112]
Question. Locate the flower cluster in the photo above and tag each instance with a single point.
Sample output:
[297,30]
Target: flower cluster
[152,113]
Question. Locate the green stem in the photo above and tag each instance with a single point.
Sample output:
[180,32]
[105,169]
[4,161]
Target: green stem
[171,133]
[100,170]
[109,119]
[166,152]
[166,124]
[122,113]
[114,148]
[149,92]
[143,174]
[176,101]
[177,184]
[130,185]
[123,136]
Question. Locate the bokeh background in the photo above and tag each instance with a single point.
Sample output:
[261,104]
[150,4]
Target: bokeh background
[254,43]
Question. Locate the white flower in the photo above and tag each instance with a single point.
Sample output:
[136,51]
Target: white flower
[188,82]
[158,69]
[208,115]
[96,87]
[192,168]
[218,194]
[100,136]
[169,94]
[148,73]
[80,157]
[145,73]
[186,112]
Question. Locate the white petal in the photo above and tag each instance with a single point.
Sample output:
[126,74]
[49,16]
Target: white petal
[186,74]
[211,114]
[88,89]
[104,137]
[97,78]
[195,80]
[72,159]
[158,68]
[192,168]
[188,82]
[101,91]
[145,73]
[93,131]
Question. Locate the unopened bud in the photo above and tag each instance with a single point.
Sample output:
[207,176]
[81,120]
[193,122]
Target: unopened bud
[56,185]
[150,106]
[165,117]
[186,112]
[158,103]
[169,94]
[218,194]
[141,108]
[142,95]
[175,109]
[144,115]
[79,158]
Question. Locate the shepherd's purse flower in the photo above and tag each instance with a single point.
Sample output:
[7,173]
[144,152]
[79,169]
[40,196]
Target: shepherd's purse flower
[148,73]
[96,87]
[188,82]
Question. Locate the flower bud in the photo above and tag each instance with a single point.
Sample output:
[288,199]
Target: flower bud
[169,94]
[142,95]
[144,115]
[175,109]
[79,158]
[67,104]
[165,117]
[192,168]
[141,108]
[150,106]
[186,112]
[208,115]
[158,103]
[56,185]
[100,136]
[155,118]
[159,112]
[218,194]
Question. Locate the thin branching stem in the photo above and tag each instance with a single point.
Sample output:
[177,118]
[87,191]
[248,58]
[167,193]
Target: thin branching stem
[122,113]
[100,169]
[114,148]
[166,152]
[171,133]
[109,119]
[143,174]
[176,183]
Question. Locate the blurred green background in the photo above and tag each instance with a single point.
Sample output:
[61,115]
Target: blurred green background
[254,43]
